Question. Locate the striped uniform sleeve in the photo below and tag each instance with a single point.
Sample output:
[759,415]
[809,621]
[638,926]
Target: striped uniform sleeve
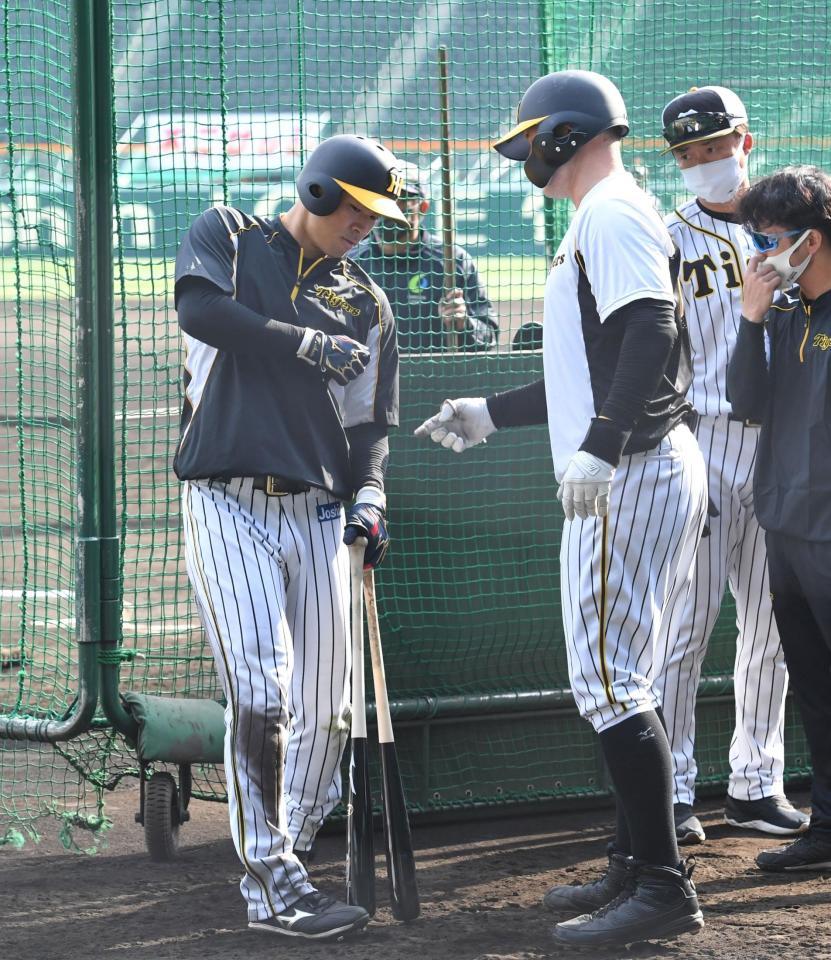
[208,251]
[373,396]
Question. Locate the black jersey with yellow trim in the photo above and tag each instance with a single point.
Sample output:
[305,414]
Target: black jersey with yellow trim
[791,392]
[253,414]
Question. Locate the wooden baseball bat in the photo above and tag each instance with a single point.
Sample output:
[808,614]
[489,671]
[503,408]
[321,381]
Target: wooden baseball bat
[360,850]
[451,335]
[397,840]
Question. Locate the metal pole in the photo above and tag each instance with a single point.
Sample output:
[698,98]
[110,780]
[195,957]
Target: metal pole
[111,583]
[550,30]
[87,546]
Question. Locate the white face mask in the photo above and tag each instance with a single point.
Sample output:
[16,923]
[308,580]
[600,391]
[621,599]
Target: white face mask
[718,181]
[781,263]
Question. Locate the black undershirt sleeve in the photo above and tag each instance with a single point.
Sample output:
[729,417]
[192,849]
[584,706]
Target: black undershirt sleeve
[520,407]
[649,336]
[747,373]
[369,453]
[215,318]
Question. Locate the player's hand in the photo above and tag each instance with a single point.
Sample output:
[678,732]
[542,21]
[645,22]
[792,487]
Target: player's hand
[460,424]
[584,489]
[365,518]
[339,357]
[453,310]
[761,282]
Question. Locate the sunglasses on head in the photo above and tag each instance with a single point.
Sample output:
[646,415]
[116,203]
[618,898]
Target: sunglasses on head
[679,131]
[765,242]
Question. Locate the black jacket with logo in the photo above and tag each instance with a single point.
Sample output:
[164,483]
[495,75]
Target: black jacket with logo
[252,413]
[791,395]
[414,284]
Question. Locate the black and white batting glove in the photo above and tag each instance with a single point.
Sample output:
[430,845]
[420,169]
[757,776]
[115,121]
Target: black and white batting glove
[460,424]
[584,489]
[339,357]
[365,518]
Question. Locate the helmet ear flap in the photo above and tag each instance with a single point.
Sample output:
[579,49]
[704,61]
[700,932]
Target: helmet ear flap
[319,194]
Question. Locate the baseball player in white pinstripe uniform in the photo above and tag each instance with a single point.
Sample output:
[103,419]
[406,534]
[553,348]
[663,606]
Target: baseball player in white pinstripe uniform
[632,483]
[291,382]
[707,132]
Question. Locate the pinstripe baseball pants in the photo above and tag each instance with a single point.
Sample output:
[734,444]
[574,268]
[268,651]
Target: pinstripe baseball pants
[271,580]
[621,576]
[734,554]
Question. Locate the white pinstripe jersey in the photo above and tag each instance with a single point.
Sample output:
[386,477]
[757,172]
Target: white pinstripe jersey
[615,251]
[714,253]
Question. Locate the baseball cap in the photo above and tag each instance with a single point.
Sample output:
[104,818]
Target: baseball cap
[414,184]
[703,113]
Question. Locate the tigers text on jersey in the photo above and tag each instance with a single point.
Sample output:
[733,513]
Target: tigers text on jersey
[615,251]
[252,414]
[714,251]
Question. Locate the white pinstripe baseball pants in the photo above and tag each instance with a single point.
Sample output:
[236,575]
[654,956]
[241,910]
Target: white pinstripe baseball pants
[271,580]
[734,554]
[620,578]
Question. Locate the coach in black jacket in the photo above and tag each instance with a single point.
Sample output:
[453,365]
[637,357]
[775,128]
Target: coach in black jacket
[789,216]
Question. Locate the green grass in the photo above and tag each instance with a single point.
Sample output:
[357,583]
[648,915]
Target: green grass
[506,278]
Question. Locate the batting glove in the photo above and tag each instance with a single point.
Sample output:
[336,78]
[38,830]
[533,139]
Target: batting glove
[365,518]
[459,424]
[339,357]
[584,489]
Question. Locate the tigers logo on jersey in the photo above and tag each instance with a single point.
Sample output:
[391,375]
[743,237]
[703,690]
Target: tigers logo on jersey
[335,300]
[822,341]
[698,272]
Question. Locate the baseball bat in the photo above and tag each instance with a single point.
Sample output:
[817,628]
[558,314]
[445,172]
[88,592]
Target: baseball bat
[397,840]
[451,335]
[360,851]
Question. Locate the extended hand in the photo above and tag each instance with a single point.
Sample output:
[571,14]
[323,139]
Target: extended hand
[460,424]
[584,489]
[339,357]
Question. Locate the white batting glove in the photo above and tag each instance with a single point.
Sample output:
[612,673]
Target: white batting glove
[584,489]
[460,424]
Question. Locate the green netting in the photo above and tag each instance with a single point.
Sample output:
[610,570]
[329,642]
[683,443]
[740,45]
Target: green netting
[220,101]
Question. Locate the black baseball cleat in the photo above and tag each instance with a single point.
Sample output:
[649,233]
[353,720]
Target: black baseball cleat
[315,917]
[580,898]
[775,815]
[688,829]
[810,851]
[663,904]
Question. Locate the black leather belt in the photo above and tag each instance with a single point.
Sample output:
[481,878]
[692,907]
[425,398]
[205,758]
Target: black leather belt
[693,418]
[278,487]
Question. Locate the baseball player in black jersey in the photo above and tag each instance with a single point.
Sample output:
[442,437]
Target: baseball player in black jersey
[408,263]
[290,383]
[631,481]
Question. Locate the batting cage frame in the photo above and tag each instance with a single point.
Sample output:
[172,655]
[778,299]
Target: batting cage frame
[106,673]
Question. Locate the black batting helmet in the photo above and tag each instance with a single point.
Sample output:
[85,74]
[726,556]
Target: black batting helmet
[364,169]
[583,103]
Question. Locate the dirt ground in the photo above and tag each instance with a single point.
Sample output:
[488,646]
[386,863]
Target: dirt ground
[480,886]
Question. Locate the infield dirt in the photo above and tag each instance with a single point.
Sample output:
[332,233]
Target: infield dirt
[481,884]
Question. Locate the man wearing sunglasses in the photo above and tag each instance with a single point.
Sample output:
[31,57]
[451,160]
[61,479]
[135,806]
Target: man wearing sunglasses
[789,214]
[707,132]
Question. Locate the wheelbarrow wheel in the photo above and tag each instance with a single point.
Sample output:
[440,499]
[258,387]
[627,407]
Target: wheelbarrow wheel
[161,818]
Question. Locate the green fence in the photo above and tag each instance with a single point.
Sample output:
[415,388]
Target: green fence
[197,102]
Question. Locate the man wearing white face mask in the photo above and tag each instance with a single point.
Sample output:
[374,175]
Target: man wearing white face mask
[788,387]
[707,133]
